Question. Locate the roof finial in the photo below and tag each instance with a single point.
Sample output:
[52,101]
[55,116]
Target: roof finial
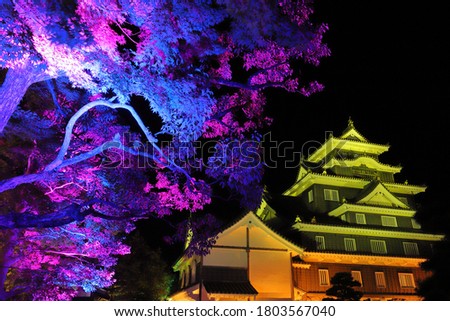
[350,122]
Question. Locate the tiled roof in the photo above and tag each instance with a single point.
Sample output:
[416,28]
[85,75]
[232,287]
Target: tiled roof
[215,287]
[224,274]
[366,190]
[275,226]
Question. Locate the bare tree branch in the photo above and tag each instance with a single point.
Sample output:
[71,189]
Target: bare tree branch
[235,84]
[13,182]
[65,216]
[59,162]
[264,70]
[69,128]
[69,214]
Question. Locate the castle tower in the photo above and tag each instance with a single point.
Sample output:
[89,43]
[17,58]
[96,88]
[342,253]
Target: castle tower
[363,221]
[345,213]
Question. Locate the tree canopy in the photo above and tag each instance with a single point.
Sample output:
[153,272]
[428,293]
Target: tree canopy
[114,111]
[342,288]
[141,275]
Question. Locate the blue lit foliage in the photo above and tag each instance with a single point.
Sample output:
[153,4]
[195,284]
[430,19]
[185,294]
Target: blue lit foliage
[166,50]
[238,166]
[174,54]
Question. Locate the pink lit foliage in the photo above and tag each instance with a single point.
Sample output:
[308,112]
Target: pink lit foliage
[74,153]
[170,53]
[181,57]
[74,219]
[201,232]
[56,263]
[68,239]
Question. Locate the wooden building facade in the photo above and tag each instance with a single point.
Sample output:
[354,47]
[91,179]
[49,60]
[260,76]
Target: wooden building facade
[344,213]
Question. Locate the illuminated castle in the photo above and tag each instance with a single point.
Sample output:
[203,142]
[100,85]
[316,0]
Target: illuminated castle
[344,213]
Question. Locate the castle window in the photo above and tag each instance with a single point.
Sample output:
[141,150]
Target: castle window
[310,196]
[350,244]
[406,280]
[410,248]
[388,221]
[357,277]
[360,218]
[380,280]
[320,242]
[331,194]
[324,278]
[378,246]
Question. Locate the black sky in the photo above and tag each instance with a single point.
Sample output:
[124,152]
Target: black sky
[390,71]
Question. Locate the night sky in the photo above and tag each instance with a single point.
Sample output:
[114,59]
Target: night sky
[390,72]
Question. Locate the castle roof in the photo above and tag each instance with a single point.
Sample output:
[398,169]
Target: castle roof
[375,193]
[350,133]
[307,178]
[351,140]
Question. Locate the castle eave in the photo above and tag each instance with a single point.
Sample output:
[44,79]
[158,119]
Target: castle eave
[363,259]
[363,230]
[371,209]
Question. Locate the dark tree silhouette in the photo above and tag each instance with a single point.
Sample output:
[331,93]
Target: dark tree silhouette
[141,275]
[436,287]
[342,288]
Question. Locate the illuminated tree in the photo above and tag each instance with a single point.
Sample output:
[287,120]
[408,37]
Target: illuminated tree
[170,53]
[342,288]
[55,242]
[199,69]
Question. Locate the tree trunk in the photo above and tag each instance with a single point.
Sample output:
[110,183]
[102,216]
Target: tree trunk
[9,240]
[62,217]
[14,87]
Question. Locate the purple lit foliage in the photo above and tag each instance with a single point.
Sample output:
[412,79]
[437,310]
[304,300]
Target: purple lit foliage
[199,234]
[170,53]
[65,242]
[74,164]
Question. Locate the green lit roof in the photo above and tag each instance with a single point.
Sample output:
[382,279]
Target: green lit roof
[350,140]
[366,230]
[371,209]
[350,133]
[333,143]
[353,182]
[366,161]
[375,193]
